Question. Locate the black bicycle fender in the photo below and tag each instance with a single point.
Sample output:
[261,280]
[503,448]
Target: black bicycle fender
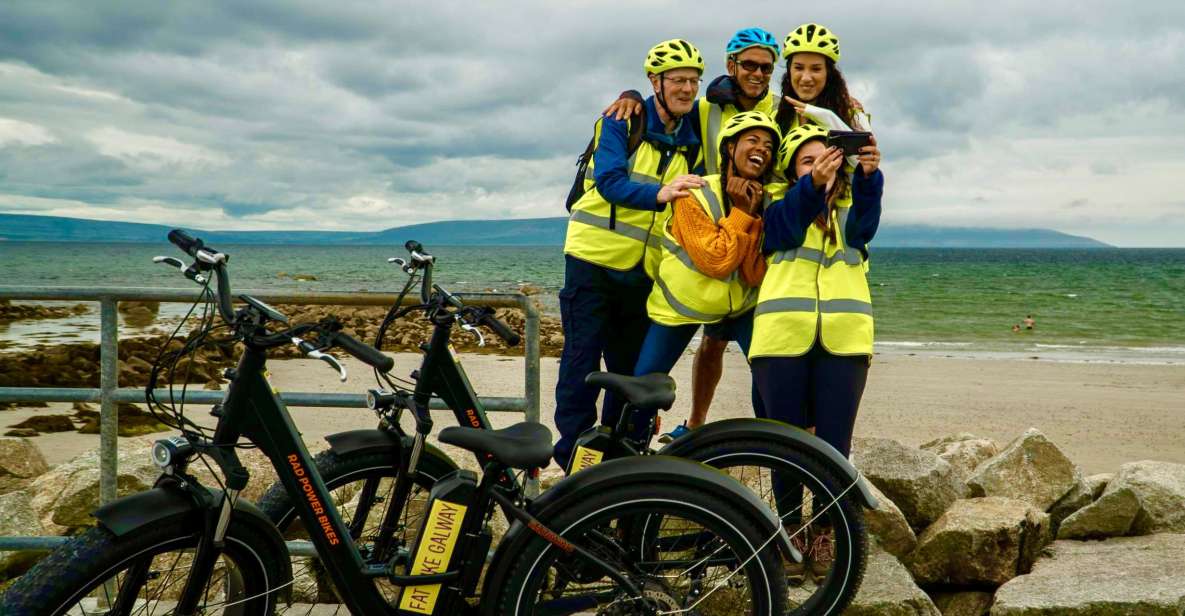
[358,441]
[645,470]
[754,428]
[134,511]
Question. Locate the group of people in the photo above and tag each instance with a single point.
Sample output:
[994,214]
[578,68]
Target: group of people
[730,212]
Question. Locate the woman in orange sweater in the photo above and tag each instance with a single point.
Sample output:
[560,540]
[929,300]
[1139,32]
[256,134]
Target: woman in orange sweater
[712,263]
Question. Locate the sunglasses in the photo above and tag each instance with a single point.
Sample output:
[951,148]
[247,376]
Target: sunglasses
[752,66]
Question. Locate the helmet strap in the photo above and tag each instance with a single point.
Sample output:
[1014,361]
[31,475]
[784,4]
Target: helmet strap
[662,99]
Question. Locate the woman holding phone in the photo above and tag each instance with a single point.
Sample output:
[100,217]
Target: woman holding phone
[813,326]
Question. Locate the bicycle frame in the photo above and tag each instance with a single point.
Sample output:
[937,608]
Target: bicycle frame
[253,410]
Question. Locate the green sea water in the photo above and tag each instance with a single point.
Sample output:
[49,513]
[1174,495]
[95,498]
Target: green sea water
[1085,302]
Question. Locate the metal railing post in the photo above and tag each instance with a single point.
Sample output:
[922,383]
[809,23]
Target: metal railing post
[108,409]
[531,370]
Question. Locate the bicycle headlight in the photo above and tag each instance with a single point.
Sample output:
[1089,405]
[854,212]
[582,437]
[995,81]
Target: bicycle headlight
[168,451]
[378,399]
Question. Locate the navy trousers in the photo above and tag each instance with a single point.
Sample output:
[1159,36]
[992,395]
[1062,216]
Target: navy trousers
[816,389]
[604,316]
[665,344]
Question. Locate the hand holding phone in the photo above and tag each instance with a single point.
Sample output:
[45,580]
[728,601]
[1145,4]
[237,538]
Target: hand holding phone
[849,141]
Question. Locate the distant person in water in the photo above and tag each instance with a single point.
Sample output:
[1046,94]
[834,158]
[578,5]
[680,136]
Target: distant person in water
[1016,328]
[1029,322]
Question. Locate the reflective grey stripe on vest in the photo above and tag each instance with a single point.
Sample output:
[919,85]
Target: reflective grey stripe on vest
[683,309]
[680,254]
[713,203]
[850,256]
[807,304]
[845,305]
[847,254]
[711,156]
[785,304]
[635,176]
[628,230]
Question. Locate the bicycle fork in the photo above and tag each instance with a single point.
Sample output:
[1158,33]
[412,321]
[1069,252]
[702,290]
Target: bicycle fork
[215,520]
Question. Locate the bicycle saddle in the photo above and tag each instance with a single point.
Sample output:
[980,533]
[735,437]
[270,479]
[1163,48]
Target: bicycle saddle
[523,445]
[650,391]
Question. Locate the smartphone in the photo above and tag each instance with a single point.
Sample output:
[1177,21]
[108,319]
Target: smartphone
[849,141]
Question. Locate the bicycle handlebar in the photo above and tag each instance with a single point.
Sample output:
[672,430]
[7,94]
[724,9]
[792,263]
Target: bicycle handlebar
[207,259]
[186,242]
[503,330]
[362,352]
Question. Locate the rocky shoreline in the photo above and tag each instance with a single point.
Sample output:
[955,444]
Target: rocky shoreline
[964,526]
[18,312]
[77,364]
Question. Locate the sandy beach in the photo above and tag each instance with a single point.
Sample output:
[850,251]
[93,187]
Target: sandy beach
[1100,414]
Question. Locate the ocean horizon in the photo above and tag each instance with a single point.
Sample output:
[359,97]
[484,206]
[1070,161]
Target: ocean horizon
[1095,304]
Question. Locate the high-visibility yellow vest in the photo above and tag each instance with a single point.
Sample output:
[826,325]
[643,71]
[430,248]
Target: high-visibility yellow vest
[682,294]
[637,234]
[713,116]
[817,291]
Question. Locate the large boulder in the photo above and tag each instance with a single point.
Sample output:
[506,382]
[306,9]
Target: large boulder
[1124,575]
[17,519]
[20,458]
[889,525]
[64,497]
[887,590]
[1098,482]
[921,484]
[1110,516]
[963,451]
[980,541]
[1078,497]
[964,603]
[1030,468]
[1160,486]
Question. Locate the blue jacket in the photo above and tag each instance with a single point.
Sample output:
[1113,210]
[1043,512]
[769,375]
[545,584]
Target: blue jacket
[787,221]
[611,162]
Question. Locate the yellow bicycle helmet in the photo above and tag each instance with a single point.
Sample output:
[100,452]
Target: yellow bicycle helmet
[794,140]
[675,53]
[813,38]
[741,122]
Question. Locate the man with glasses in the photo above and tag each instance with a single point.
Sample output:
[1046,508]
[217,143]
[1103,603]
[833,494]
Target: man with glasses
[750,55]
[613,243]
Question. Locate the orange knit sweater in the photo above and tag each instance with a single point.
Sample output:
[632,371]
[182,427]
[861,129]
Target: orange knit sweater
[719,250]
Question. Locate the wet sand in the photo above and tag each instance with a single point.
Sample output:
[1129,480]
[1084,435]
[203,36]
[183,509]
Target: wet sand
[1101,415]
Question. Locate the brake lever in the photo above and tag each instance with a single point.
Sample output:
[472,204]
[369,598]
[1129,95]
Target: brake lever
[403,265]
[481,340]
[177,263]
[312,351]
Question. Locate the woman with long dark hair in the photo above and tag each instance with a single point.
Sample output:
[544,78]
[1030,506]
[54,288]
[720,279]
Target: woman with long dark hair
[813,88]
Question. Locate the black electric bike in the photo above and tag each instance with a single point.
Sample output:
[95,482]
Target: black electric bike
[654,536]
[769,457]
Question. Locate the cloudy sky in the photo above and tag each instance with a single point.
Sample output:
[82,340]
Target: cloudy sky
[367,115]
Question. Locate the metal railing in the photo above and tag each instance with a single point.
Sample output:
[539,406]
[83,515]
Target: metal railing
[108,393]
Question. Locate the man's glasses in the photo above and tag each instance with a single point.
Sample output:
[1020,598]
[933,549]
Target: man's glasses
[752,66]
[682,82]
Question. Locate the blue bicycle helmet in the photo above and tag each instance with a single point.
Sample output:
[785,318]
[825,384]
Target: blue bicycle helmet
[752,37]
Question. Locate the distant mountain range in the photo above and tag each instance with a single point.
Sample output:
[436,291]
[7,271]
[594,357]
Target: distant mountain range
[519,232]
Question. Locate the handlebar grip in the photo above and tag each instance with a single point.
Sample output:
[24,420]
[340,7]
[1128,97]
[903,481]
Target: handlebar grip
[186,242]
[363,352]
[503,330]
